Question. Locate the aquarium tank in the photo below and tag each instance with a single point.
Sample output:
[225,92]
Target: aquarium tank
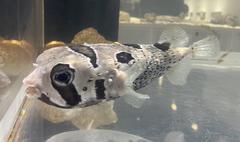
[189,98]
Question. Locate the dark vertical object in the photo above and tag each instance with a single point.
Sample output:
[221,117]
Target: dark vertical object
[65,18]
[9,18]
[21,19]
[14,16]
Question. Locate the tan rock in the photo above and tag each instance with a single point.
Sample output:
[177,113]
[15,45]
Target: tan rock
[135,20]
[124,17]
[54,114]
[89,35]
[83,118]
[95,116]
[150,17]
[168,18]
[15,56]
[53,44]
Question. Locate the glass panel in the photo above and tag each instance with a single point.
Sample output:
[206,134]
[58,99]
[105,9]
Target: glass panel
[21,36]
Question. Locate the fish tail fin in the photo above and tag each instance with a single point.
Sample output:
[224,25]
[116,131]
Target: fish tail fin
[175,35]
[207,47]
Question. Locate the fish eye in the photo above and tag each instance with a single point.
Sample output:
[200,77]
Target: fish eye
[62,75]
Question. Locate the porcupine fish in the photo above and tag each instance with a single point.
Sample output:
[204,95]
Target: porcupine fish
[84,75]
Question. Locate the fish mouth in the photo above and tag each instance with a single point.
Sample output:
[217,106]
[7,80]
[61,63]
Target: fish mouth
[44,98]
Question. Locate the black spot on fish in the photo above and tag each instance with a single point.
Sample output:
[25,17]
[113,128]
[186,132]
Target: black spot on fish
[47,100]
[162,46]
[118,67]
[196,33]
[85,89]
[90,80]
[61,78]
[133,45]
[124,57]
[86,51]
[100,88]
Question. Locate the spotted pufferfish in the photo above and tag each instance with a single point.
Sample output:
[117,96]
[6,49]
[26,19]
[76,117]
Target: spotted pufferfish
[83,75]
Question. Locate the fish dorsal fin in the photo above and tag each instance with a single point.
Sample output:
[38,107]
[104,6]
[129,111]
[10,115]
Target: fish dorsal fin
[175,35]
[178,74]
[136,46]
[162,46]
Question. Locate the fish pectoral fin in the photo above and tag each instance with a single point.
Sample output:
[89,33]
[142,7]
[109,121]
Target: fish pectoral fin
[178,74]
[160,81]
[134,99]
[4,80]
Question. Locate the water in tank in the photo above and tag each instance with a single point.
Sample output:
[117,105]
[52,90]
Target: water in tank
[134,71]
[20,38]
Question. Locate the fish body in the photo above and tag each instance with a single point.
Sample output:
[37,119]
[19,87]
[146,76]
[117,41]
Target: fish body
[83,75]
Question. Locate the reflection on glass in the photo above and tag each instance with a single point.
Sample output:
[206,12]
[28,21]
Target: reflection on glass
[174,106]
[220,12]
[194,126]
